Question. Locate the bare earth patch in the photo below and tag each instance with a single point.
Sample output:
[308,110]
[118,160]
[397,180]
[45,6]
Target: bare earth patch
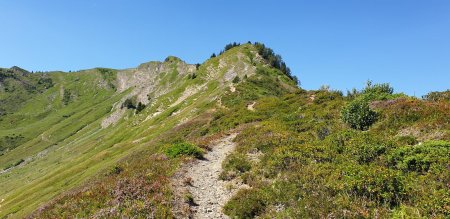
[251,106]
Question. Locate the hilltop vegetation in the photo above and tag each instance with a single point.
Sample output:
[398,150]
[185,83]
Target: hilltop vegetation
[106,143]
[314,165]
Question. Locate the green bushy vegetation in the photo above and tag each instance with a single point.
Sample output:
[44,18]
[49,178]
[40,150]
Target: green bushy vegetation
[229,46]
[245,204]
[10,142]
[438,96]
[313,165]
[373,92]
[130,103]
[358,115]
[275,60]
[235,164]
[421,158]
[180,149]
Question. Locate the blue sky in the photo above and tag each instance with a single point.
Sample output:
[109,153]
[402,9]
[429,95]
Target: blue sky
[340,43]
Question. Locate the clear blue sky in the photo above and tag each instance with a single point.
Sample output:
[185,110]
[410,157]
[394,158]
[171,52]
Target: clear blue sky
[341,43]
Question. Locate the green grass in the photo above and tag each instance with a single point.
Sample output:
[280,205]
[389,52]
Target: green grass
[183,148]
[310,164]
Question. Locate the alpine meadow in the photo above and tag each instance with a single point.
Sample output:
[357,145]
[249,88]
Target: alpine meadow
[235,136]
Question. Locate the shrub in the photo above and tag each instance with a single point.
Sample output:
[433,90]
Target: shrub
[369,152]
[419,158]
[236,79]
[384,186]
[358,115]
[233,165]
[230,46]
[189,199]
[438,96]
[10,142]
[140,107]
[180,149]
[129,103]
[238,163]
[245,204]
[407,140]
[45,82]
[383,88]
[372,92]
[116,170]
[192,76]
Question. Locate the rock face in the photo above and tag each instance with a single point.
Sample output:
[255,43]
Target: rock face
[150,80]
[145,83]
[146,78]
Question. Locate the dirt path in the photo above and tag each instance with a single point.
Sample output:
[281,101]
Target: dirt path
[209,193]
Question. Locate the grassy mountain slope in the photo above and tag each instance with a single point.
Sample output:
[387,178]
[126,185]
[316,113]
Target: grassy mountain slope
[80,125]
[89,149]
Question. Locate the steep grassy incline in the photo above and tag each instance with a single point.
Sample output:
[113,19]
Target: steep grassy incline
[87,121]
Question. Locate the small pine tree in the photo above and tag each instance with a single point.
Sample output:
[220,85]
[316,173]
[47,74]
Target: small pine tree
[129,104]
[236,79]
[140,107]
[213,55]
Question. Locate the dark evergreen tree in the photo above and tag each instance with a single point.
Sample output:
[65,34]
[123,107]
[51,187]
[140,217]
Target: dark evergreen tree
[140,107]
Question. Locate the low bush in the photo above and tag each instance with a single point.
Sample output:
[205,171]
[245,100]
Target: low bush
[236,79]
[419,158]
[384,186]
[140,107]
[407,140]
[368,152]
[438,96]
[180,149]
[245,204]
[234,164]
[238,163]
[129,103]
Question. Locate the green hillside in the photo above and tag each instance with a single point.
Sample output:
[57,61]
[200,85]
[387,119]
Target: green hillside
[108,143]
